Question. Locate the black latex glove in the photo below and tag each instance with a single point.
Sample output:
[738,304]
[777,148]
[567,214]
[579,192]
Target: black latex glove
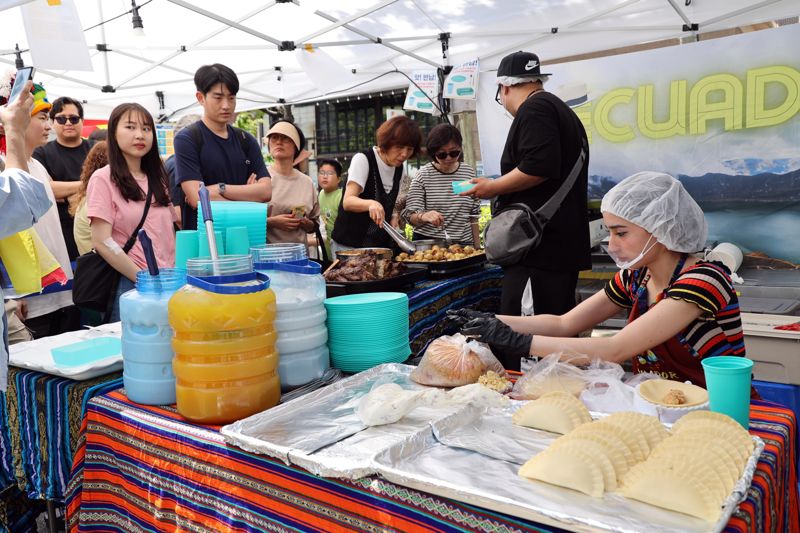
[462,316]
[499,336]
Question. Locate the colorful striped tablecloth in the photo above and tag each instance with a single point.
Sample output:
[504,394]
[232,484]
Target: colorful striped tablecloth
[430,300]
[145,469]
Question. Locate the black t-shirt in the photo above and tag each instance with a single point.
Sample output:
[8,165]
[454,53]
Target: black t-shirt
[64,163]
[545,140]
[219,161]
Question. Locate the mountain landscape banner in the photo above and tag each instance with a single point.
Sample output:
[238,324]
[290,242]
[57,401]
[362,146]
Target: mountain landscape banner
[721,115]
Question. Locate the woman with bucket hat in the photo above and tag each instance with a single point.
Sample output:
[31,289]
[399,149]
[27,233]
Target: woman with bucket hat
[294,208]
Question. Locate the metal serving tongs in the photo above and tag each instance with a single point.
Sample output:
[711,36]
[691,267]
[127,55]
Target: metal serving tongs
[404,244]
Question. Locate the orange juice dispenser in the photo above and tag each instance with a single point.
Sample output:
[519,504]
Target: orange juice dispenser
[226,366]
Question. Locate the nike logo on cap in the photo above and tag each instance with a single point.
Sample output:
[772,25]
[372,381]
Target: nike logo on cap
[532,64]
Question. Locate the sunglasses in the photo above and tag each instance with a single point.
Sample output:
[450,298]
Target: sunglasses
[452,153]
[61,119]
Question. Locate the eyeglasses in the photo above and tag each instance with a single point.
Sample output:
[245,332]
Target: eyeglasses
[497,95]
[62,119]
[327,173]
[454,154]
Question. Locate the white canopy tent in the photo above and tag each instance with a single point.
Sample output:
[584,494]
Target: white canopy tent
[374,41]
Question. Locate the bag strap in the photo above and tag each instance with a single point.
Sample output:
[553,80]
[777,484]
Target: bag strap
[321,243]
[546,212]
[135,234]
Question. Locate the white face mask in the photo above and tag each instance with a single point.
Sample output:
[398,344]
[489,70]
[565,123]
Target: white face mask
[629,264]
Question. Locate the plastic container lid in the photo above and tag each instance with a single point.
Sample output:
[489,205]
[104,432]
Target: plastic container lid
[224,266]
[278,252]
[85,352]
[233,284]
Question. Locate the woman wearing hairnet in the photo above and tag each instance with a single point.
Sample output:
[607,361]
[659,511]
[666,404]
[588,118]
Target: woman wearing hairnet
[681,308]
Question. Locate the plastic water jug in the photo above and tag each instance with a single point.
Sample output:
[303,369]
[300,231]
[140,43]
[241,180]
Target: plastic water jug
[225,360]
[300,321]
[147,337]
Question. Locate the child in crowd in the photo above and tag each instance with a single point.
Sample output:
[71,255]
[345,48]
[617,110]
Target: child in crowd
[330,196]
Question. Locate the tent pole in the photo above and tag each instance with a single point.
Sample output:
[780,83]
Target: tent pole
[56,75]
[104,51]
[376,40]
[587,18]
[229,22]
[680,12]
[168,57]
[738,12]
[344,21]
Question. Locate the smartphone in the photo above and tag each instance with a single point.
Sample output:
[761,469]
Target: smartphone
[23,75]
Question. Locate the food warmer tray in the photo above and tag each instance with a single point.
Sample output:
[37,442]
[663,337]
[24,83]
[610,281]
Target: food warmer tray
[448,268]
[412,275]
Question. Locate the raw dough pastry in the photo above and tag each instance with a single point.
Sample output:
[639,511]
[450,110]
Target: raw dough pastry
[722,464]
[715,428]
[676,490]
[536,388]
[609,437]
[598,453]
[557,412]
[635,441]
[653,430]
[566,467]
[707,415]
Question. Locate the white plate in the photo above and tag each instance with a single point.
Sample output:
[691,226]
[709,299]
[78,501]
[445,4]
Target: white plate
[35,354]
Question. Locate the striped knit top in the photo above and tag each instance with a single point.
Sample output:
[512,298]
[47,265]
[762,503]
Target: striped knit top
[432,190]
[718,331]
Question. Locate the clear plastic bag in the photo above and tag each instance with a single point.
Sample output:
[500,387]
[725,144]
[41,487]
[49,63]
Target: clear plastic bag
[551,373]
[452,361]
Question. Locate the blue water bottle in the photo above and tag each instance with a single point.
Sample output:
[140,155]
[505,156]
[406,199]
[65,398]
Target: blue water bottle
[147,337]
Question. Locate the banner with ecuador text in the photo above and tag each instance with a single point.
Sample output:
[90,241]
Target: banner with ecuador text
[722,115]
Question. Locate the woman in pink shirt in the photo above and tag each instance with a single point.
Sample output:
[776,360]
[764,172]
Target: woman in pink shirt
[115,197]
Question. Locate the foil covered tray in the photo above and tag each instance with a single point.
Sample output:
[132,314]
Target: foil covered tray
[445,460]
[321,432]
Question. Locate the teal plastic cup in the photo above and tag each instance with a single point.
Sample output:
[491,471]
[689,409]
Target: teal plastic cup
[461,186]
[186,247]
[728,380]
[237,240]
[202,242]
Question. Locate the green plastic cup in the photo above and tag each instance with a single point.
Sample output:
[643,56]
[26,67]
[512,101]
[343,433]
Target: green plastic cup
[202,242]
[728,380]
[237,240]
[186,247]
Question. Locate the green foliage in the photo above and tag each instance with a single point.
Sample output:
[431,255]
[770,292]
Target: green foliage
[249,121]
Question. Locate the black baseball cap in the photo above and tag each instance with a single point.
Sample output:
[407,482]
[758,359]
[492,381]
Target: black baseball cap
[520,65]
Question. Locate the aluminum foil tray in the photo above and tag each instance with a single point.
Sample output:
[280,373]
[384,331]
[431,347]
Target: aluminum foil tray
[321,432]
[473,456]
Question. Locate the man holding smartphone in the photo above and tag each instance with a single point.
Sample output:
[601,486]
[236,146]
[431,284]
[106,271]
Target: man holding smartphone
[22,199]
[63,158]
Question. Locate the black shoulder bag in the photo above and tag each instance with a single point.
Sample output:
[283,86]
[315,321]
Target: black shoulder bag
[95,282]
[517,229]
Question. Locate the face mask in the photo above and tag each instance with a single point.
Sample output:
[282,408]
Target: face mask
[629,264]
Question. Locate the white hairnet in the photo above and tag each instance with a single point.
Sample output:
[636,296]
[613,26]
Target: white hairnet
[658,203]
[508,81]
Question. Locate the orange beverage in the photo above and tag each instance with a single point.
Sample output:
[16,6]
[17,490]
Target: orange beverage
[226,366]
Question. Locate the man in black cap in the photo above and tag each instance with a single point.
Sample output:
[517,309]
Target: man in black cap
[543,144]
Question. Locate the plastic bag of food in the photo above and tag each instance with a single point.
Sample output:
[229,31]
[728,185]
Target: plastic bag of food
[452,361]
[549,374]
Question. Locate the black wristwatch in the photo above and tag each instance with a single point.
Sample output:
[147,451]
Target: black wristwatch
[221,189]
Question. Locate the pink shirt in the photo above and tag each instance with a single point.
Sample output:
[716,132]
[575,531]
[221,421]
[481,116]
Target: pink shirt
[104,201]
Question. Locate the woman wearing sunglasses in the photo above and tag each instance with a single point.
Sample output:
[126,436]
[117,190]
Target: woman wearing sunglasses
[432,208]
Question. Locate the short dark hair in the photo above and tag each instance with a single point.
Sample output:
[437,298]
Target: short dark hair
[440,135]
[98,135]
[337,167]
[209,75]
[399,131]
[60,102]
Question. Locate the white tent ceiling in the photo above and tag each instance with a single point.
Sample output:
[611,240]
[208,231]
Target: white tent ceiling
[245,35]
